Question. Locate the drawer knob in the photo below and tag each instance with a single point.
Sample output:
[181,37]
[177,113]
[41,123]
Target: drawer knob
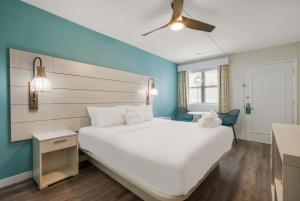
[59,141]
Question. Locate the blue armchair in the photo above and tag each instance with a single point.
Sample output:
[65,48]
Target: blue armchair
[181,114]
[229,119]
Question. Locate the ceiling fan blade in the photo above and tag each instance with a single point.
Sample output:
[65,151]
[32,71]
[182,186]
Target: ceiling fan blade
[177,6]
[145,34]
[198,25]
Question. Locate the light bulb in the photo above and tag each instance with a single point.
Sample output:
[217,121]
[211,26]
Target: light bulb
[177,26]
[153,92]
[40,84]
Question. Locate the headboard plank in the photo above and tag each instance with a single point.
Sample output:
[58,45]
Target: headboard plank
[87,70]
[19,96]
[75,85]
[20,77]
[20,114]
[22,131]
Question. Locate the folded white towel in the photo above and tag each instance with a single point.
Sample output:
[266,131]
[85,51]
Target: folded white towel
[210,120]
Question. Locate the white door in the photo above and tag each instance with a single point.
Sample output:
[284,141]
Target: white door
[269,89]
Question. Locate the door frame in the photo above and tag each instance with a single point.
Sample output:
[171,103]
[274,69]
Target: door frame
[294,62]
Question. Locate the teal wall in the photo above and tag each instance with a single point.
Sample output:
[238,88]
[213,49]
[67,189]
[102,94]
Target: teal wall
[28,28]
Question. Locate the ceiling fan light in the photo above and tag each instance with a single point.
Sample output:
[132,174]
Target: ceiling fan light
[177,26]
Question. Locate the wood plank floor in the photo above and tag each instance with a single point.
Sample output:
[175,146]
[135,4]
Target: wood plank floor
[243,175]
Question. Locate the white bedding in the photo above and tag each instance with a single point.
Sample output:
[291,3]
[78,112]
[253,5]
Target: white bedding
[169,157]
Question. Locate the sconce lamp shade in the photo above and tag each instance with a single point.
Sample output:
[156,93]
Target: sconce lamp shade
[153,92]
[40,82]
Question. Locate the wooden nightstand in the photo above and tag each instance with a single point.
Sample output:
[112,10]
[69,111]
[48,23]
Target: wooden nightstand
[55,157]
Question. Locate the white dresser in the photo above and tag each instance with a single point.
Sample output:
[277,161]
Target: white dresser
[285,162]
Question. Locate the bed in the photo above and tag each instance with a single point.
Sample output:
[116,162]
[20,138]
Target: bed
[158,159]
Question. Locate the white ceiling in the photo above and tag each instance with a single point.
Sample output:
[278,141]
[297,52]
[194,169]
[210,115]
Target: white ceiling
[241,25]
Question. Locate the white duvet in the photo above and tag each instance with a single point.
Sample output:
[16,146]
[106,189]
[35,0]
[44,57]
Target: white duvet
[170,157]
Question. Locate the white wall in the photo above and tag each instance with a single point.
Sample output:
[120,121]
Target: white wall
[238,61]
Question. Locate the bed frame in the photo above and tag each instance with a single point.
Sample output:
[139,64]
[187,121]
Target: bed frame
[137,187]
[76,85]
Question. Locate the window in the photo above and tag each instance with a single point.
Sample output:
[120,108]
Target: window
[203,87]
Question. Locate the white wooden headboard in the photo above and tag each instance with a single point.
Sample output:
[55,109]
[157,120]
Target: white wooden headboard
[74,86]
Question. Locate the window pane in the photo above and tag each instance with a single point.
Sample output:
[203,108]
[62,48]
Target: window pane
[211,95]
[195,95]
[211,78]
[195,79]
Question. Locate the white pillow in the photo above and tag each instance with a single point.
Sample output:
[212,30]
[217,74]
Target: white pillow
[134,117]
[145,109]
[91,112]
[106,116]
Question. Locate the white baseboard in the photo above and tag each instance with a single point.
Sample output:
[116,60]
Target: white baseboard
[15,179]
[241,138]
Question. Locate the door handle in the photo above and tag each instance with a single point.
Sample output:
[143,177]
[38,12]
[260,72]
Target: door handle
[248,108]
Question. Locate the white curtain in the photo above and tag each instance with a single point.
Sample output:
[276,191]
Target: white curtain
[182,89]
[223,78]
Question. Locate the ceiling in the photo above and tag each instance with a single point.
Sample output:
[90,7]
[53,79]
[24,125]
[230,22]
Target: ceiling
[241,25]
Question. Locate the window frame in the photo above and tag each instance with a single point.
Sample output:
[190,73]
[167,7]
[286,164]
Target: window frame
[203,87]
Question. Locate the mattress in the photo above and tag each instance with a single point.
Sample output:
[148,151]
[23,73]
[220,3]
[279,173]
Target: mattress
[169,157]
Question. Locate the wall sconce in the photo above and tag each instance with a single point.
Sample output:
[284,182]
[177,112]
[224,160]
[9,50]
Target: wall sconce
[152,91]
[39,83]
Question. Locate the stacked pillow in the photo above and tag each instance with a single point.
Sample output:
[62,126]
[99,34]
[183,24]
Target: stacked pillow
[106,116]
[146,110]
[119,115]
[134,117]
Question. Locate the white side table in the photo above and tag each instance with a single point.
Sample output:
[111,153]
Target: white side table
[197,114]
[55,157]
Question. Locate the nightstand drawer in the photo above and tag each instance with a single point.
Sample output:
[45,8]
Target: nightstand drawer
[59,143]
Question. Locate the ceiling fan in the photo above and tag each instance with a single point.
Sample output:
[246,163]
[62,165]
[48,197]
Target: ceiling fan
[178,21]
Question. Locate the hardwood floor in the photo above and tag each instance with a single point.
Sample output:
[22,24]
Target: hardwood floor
[243,175]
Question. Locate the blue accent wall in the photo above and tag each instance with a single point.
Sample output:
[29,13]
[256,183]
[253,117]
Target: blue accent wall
[28,28]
